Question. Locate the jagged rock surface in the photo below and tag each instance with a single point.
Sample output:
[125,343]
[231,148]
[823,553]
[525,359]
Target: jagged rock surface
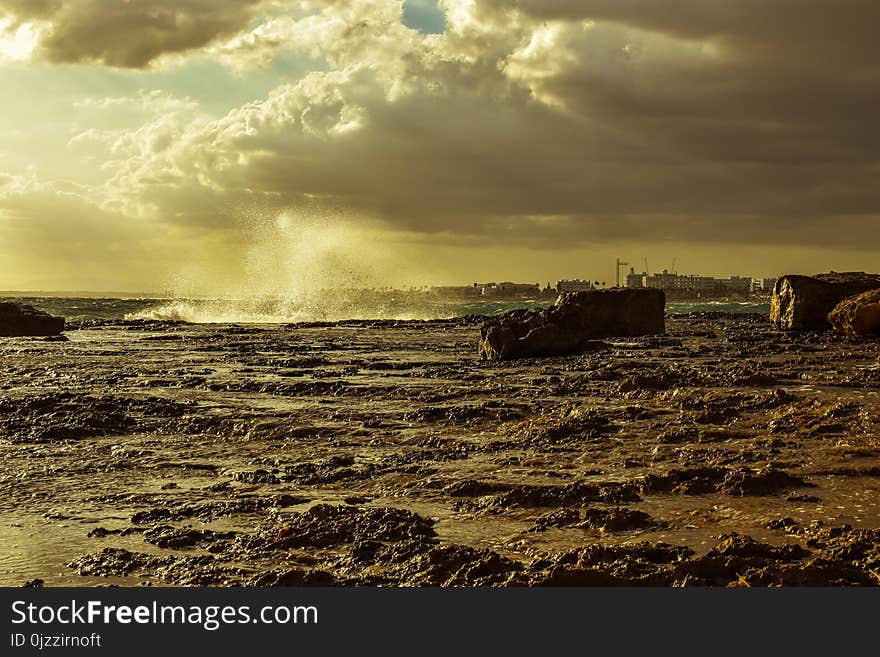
[857,315]
[802,303]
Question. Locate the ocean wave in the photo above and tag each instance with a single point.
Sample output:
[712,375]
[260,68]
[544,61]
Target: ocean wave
[217,311]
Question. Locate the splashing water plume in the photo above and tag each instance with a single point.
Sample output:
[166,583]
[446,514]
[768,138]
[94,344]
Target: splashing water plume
[297,268]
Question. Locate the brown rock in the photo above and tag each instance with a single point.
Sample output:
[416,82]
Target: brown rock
[857,315]
[802,303]
[576,319]
[17,319]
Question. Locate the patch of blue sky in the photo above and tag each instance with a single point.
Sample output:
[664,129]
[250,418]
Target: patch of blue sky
[426,16]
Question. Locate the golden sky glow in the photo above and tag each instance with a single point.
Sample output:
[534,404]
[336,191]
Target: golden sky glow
[193,143]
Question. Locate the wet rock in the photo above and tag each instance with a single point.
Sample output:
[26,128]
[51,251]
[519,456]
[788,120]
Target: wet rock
[712,479]
[292,577]
[18,319]
[803,302]
[203,511]
[201,570]
[574,494]
[101,532]
[568,427]
[361,433]
[257,477]
[473,488]
[734,555]
[572,323]
[617,520]
[818,572]
[458,565]
[745,547]
[677,436]
[784,524]
[115,561]
[285,500]
[568,576]
[606,520]
[464,415]
[165,536]
[769,481]
[325,525]
[688,481]
[635,564]
[857,315]
[330,470]
[860,547]
[62,416]
[553,519]
[805,499]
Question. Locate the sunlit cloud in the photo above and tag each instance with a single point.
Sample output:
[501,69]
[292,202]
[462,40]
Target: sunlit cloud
[17,42]
[550,126]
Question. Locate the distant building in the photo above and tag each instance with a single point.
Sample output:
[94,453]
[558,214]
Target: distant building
[737,285]
[664,281]
[697,285]
[576,285]
[635,280]
[763,285]
[508,289]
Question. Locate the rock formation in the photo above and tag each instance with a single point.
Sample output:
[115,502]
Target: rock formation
[857,315]
[17,319]
[802,303]
[572,322]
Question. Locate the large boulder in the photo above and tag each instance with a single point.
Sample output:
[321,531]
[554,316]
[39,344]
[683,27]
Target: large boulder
[575,319]
[857,315]
[17,319]
[802,303]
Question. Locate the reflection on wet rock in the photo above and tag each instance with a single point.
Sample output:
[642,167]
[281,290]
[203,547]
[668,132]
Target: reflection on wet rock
[723,453]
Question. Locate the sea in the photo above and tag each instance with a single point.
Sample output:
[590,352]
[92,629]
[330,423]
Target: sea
[282,310]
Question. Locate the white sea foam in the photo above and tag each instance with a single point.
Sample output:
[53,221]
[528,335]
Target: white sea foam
[283,311]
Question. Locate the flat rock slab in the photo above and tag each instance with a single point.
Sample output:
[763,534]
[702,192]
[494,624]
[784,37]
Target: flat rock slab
[802,303]
[18,319]
[573,322]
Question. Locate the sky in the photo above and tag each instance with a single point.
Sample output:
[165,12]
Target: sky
[261,146]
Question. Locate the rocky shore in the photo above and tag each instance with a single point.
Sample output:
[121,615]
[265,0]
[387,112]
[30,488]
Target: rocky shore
[17,320]
[724,452]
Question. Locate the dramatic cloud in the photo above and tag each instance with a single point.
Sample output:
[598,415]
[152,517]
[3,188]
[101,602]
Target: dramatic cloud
[127,33]
[592,124]
[547,124]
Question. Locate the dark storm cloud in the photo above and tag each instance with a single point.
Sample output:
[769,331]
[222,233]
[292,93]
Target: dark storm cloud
[551,123]
[128,33]
[842,28]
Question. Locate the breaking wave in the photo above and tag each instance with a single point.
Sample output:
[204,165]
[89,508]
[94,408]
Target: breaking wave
[284,311]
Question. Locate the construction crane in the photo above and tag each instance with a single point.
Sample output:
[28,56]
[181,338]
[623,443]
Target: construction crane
[620,263]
